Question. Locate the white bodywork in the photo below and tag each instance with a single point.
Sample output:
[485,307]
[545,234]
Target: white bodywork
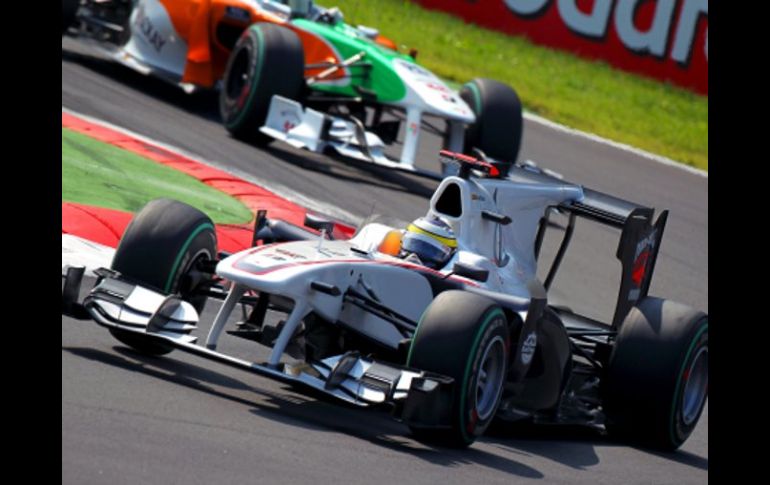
[507,252]
[426,92]
[288,121]
[154,43]
[301,127]
[329,279]
[288,269]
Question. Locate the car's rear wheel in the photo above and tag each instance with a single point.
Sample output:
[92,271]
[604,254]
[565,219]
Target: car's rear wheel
[161,249]
[656,382]
[498,127]
[463,336]
[267,60]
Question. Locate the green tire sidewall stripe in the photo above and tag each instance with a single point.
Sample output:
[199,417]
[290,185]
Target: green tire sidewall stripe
[183,250]
[476,97]
[414,338]
[672,423]
[497,312]
[255,80]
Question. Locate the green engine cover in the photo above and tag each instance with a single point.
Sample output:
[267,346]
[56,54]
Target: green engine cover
[381,78]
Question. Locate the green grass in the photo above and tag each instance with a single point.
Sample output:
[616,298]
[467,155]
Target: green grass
[586,95]
[104,175]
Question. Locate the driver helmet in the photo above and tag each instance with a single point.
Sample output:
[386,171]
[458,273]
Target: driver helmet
[430,239]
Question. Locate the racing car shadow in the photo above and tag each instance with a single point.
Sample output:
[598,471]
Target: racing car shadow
[301,410]
[355,171]
[203,103]
[573,446]
[166,369]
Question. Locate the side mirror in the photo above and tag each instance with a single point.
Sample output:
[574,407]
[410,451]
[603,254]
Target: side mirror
[470,271]
[501,219]
[319,224]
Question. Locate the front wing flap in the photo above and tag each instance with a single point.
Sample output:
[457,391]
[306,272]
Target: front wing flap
[288,121]
[300,127]
[116,303]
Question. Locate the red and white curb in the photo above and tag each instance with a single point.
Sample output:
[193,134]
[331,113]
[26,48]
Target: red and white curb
[283,192]
[89,233]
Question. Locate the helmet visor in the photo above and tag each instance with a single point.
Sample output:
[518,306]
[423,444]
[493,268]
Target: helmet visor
[426,248]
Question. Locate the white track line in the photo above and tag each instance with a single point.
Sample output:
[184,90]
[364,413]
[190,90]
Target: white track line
[278,189]
[620,146]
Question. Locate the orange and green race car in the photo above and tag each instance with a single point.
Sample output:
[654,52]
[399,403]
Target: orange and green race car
[296,72]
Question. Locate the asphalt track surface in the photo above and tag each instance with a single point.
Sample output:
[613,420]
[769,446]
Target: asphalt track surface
[127,418]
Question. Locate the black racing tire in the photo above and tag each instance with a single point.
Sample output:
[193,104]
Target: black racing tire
[68,10]
[498,127]
[267,60]
[656,382]
[164,240]
[464,336]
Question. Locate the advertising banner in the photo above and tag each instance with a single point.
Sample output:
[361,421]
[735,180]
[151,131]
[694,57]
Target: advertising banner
[663,39]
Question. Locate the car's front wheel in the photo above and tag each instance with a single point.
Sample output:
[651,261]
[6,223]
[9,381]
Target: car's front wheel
[463,336]
[161,249]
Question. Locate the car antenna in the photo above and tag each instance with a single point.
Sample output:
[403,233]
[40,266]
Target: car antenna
[365,220]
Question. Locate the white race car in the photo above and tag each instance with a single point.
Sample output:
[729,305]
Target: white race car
[444,322]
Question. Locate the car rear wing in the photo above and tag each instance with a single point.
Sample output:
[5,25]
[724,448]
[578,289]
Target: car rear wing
[638,246]
[603,208]
[607,209]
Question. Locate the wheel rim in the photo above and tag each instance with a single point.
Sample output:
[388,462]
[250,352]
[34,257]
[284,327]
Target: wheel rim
[191,276]
[696,386]
[238,74]
[490,377]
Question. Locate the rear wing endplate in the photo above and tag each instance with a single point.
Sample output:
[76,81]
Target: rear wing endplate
[637,252]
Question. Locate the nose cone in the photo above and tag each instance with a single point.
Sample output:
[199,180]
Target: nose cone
[429,93]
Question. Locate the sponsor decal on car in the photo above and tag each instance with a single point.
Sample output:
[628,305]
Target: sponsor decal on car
[415,69]
[646,243]
[290,120]
[145,27]
[290,254]
[641,257]
[528,348]
[438,87]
